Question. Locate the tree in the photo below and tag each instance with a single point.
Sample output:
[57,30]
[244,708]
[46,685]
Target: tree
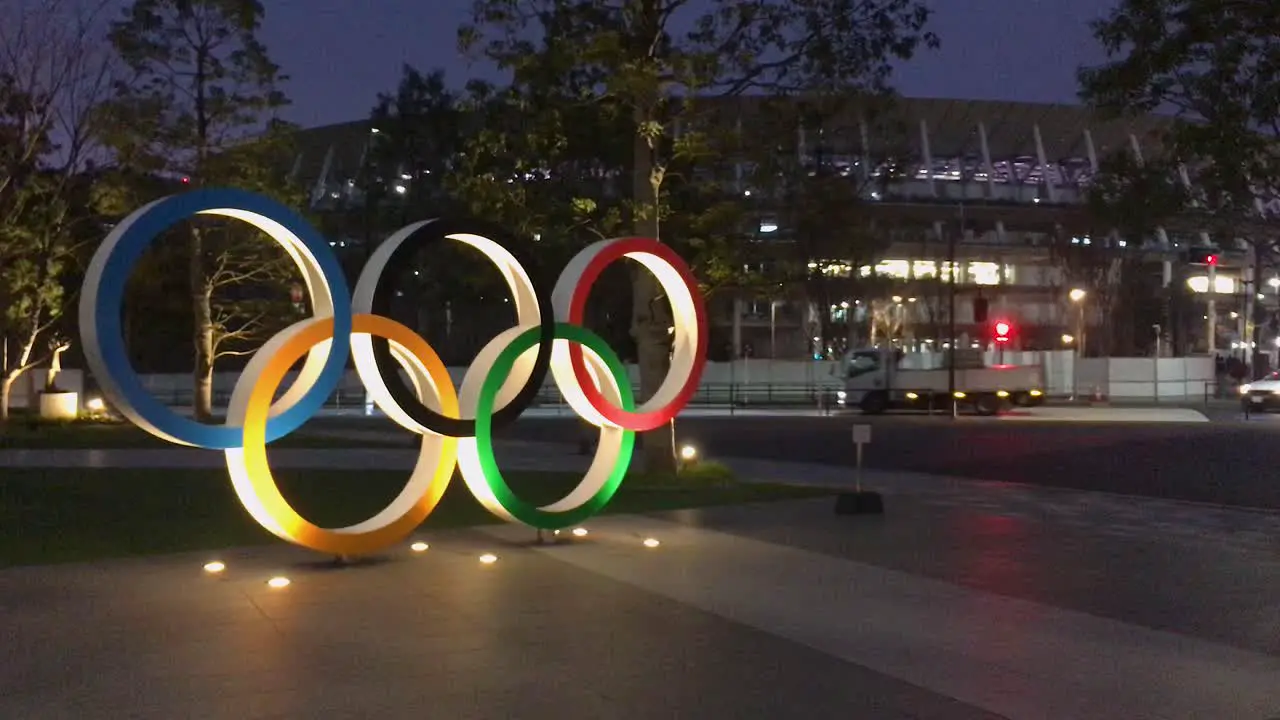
[1127,200]
[1213,64]
[809,187]
[201,110]
[636,60]
[53,71]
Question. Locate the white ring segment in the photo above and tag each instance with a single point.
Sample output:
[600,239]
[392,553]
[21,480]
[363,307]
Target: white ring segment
[608,450]
[684,318]
[420,479]
[528,314]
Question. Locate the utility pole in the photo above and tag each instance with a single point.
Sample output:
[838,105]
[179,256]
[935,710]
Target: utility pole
[951,316]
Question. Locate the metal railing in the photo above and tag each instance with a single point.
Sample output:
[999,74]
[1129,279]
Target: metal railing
[708,395]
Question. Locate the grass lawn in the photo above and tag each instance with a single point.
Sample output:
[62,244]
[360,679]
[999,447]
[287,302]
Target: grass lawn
[52,515]
[19,436]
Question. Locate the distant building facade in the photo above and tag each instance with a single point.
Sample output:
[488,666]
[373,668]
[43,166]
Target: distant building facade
[984,190]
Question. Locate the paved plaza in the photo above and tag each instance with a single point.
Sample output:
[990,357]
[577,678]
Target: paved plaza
[967,600]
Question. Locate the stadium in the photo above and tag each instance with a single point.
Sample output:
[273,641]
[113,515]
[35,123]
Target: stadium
[993,190]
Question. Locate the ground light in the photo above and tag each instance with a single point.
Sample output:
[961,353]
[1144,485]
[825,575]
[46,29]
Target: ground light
[215,567]
[580,532]
[688,453]
[278,582]
[488,558]
[419,547]
[651,542]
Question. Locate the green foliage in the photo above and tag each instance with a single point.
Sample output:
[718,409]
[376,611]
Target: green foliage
[1214,64]
[420,130]
[702,474]
[200,110]
[650,73]
[37,249]
[50,81]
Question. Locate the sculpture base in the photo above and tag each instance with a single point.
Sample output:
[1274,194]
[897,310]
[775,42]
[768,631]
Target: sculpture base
[59,405]
[859,503]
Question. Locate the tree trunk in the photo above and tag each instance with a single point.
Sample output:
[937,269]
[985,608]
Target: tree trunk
[650,310]
[6,390]
[202,327]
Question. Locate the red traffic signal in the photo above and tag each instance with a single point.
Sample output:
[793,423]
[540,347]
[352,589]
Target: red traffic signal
[1202,256]
[1002,331]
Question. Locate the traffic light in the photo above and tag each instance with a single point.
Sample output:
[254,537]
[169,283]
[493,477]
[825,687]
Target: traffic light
[1003,329]
[1202,256]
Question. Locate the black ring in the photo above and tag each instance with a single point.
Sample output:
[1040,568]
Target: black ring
[401,392]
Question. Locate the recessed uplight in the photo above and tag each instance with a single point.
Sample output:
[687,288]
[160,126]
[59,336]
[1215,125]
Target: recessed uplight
[278,582]
[419,547]
[488,558]
[651,542]
[579,532]
[215,567]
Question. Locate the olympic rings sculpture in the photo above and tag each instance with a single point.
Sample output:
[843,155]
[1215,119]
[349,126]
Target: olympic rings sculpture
[456,425]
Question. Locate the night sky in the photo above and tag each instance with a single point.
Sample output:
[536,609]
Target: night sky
[341,53]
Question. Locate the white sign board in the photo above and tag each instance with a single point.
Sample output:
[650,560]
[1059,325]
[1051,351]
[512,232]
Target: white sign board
[861,434]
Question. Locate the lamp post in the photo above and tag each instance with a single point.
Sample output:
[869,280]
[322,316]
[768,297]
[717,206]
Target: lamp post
[1077,297]
[951,315]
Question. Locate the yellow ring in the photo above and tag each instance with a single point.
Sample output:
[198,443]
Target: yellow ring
[257,489]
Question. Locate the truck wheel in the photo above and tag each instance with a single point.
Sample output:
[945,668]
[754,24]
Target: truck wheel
[986,404]
[875,403]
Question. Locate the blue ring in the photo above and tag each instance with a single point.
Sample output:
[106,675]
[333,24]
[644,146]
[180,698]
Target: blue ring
[158,218]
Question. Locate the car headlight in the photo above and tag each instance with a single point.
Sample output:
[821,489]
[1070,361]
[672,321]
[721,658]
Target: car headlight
[1244,389]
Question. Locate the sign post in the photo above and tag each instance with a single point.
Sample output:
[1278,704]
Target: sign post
[861,436]
[859,502]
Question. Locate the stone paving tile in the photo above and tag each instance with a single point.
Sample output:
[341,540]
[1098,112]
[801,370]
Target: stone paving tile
[1208,587]
[431,635]
[1122,516]
[1017,658]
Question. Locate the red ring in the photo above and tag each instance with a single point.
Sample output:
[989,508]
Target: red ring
[638,421]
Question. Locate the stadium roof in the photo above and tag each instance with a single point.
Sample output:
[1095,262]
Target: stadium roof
[952,129]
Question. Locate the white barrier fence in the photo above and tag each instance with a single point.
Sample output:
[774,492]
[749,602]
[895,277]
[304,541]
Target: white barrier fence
[763,381]
[1185,378]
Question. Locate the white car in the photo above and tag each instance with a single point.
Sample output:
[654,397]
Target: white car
[1261,394]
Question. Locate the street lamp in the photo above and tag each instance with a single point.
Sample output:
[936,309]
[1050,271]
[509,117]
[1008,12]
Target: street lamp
[1077,296]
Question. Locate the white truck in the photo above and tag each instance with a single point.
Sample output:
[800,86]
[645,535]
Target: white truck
[874,383]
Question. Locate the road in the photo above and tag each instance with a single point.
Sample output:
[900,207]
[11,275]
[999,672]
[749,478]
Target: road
[1226,461]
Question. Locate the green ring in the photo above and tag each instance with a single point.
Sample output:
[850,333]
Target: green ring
[498,373]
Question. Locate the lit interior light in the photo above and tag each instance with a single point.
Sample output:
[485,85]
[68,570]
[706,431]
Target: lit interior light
[419,547]
[580,532]
[651,542]
[278,582]
[488,558]
[215,567]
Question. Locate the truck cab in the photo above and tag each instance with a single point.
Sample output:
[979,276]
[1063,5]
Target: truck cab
[875,382]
